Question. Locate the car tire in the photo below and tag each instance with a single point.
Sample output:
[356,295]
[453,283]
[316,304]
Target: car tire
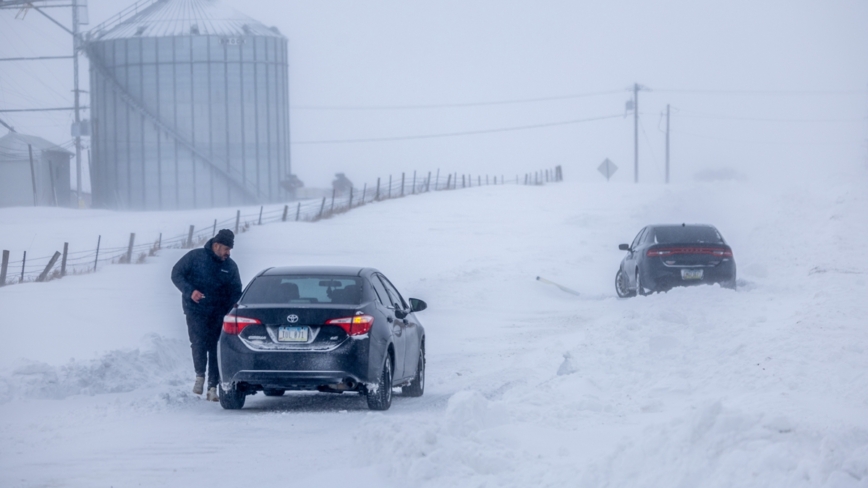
[729,284]
[621,285]
[273,392]
[416,388]
[379,395]
[231,399]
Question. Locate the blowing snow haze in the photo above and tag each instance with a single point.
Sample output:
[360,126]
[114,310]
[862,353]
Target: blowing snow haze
[776,90]
[539,348]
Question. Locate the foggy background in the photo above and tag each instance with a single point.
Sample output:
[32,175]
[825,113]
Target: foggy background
[756,92]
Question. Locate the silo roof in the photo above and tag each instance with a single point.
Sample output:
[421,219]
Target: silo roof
[166,18]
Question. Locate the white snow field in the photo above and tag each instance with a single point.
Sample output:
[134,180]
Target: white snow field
[765,386]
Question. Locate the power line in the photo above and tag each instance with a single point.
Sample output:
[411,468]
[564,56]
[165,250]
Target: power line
[453,105]
[788,143]
[454,134]
[757,92]
[702,115]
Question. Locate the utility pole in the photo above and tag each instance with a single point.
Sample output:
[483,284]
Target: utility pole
[636,132]
[667,143]
[75,45]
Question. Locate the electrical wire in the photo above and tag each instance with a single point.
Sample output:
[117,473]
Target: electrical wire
[455,134]
[453,105]
[788,143]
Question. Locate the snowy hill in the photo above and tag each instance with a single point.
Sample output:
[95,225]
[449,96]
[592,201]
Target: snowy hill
[527,385]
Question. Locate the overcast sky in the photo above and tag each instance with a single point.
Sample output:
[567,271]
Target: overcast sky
[759,89]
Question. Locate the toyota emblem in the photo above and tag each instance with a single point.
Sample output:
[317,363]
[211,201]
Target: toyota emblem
[292,318]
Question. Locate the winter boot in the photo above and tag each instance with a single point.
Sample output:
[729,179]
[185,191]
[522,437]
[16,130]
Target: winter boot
[199,386]
[212,395]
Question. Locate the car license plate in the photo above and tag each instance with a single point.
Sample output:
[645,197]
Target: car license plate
[292,334]
[691,274]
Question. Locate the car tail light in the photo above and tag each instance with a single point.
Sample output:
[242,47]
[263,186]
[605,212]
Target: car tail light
[714,251]
[233,324]
[357,325]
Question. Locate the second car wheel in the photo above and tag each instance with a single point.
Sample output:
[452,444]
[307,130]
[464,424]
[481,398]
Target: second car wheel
[416,388]
[621,285]
[231,399]
[379,395]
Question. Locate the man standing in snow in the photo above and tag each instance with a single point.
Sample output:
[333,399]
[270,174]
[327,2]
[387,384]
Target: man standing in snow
[210,286]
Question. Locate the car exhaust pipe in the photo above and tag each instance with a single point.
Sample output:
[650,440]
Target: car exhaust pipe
[349,383]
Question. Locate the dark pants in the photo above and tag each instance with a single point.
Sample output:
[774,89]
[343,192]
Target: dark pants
[204,332]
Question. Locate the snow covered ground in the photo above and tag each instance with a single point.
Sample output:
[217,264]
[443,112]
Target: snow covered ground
[527,385]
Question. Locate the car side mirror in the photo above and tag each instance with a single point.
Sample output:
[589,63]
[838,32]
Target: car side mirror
[417,305]
[624,247]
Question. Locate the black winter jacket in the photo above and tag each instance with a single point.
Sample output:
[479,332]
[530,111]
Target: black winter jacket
[219,281]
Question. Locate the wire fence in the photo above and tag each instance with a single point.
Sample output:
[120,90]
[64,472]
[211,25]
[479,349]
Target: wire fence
[65,262]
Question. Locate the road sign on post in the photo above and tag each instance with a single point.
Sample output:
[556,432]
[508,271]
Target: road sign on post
[607,168]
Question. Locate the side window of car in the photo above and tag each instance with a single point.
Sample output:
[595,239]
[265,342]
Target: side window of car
[380,291]
[397,299]
[638,239]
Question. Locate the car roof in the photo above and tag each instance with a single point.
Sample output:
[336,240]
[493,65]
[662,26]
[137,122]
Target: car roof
[315,270]
[682,225]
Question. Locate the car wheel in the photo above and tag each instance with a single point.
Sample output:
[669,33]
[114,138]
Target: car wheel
[231,399]
[417,387]
[729,284]
[273,392]
[621,285]
[379,395]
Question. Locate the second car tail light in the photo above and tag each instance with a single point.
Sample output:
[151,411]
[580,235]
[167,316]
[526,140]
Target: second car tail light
[233,324]
[356,325]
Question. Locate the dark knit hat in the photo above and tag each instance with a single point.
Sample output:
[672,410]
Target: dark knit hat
[225,237]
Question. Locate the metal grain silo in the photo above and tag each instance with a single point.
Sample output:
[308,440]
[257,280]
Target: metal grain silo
[189,103]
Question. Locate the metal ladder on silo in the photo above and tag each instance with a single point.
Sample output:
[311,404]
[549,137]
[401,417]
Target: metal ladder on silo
[128,99]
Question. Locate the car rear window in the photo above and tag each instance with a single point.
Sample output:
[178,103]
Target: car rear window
[342,290]
[699,234]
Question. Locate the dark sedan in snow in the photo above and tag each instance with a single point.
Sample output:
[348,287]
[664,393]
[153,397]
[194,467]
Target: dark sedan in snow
[665,256]
[331,329]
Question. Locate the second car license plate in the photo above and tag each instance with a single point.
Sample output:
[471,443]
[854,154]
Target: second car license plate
[691,274]
[292,334]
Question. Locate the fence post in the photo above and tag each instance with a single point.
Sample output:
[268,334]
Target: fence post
[160,242]
[63,261]
[479,180]
[428,183]
[437,180]
[96,259]
[237,220]
[402,184]
[364,190]
[44,273]
[377,196]
[189,239]
[414,181]
[321,208]
[332,209]
[4,267]
[297,211]
[448,181]
[350,206]
[390,187]
[285,211]
[214,228]
[260,215]
[133,241]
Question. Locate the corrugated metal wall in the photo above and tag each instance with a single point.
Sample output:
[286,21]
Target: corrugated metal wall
[189,121]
